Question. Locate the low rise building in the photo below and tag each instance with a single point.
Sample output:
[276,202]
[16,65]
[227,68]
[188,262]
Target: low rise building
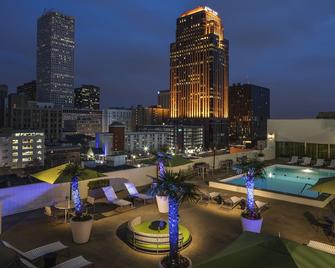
[137,142]
[82,121]
[61,154]
[22,149]
[116,114]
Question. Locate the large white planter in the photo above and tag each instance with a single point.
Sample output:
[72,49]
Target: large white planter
[81,230]
[160,265]
[252,225]
[261,158]
[162,203]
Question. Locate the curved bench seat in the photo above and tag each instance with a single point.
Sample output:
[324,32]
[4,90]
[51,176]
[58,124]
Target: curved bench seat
[142,238]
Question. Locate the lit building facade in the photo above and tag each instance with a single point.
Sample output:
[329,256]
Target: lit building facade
[116,114]
[152,115]
[139,142]
[249,110]
[27,115]
[82,121]
[21,149]
[199,66]
[87,97]
[55,59]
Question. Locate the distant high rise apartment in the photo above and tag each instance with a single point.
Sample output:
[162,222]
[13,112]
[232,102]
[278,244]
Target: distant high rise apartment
[28,90]
[3,97]
[55,59]
[163,98]
[249,110]
[87,97]
[116,114]
[199,66]
[152,115]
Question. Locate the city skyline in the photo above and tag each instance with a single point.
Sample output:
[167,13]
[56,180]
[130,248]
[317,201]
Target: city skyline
[301,66]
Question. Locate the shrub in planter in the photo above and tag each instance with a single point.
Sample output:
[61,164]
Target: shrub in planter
[81,224]
[251,218]
[97,184]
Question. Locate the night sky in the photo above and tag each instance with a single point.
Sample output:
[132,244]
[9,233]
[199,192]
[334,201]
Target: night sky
[123,47]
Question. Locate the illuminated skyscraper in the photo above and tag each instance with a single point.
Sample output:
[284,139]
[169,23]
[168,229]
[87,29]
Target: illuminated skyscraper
[199,66]
[55,59]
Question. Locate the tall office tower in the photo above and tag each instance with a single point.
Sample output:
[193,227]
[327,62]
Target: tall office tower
[199,66]
[55,59]
[28,90]
[87,97]
[163,98]
[249,110]
[3,97]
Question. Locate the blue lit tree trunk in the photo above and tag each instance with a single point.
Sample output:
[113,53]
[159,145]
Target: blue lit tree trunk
[76,195]
[174,231]
[250,185]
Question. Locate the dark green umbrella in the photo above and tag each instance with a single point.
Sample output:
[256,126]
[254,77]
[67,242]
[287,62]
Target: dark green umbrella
[264,251]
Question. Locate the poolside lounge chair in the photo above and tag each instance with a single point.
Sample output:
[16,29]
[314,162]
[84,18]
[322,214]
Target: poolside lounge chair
[294,160]
[112,197]
[261,205]
[77,262]
[306,161]
[332,164]
[322,246]
[319,163]
[230,202]
[133,193]
[36,253]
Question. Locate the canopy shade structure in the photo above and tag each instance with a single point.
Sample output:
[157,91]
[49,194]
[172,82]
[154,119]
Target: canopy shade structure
[325,185]
[263,251]
[54,175]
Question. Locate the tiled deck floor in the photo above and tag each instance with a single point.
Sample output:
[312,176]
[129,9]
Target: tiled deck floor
[212,230]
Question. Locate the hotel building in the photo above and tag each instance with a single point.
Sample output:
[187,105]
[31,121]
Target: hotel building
[199,66]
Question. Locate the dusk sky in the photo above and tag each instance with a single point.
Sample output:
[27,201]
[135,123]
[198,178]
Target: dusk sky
[123,47]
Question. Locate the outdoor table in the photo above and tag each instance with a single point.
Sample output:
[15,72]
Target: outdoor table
[65,205]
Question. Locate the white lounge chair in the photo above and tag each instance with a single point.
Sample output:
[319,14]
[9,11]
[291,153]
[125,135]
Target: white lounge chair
[36,253]
[319,163]
[332,164]
[112,197]
[133,193]
[322,246]
[77,262]
[294,160]
[261,205]
[306,161]
[231,202]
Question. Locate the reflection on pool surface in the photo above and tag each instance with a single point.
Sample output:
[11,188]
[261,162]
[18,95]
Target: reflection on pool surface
[287,179]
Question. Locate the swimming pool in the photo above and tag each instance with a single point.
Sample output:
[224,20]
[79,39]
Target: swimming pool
[292,180]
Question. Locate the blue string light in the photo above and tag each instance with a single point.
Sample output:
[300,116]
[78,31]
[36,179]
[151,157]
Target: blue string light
[76,195]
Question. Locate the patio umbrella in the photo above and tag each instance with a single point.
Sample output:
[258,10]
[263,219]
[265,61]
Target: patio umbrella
[263,251]
[54,175]
[325,185]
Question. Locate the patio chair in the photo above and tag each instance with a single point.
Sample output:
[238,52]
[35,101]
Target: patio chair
[77,262]
[133,193]
[322,246]
[261,206]
[230,202]
[306,161]
[294,160]
[332,164]
[36,253]
[319,162]
[112,197]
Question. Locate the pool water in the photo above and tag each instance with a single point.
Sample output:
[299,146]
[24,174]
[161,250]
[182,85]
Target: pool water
[287,179]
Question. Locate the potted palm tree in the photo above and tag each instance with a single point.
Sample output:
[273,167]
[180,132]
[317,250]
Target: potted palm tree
[81,223]
[178,190]
[161,197]
[251,218]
